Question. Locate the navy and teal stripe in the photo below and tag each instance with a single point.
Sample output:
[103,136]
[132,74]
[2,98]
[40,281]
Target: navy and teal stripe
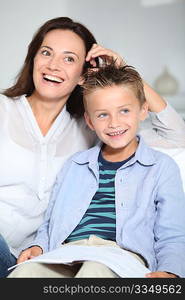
[100,217]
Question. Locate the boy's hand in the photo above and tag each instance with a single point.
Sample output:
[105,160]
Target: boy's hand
[160,274]
[29,253]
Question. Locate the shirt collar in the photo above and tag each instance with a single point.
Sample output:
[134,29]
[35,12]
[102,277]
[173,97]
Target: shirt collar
[144,154]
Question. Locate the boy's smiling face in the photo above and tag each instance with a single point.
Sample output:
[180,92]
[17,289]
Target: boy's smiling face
[114,113]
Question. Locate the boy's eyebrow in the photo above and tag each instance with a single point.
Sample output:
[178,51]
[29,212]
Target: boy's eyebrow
[104,109]
[124,105]
[65,51]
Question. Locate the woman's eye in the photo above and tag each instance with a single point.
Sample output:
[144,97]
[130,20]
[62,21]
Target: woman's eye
[69,59]
[45,52]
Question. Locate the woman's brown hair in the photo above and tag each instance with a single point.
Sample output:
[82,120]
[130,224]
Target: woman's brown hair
[24,81]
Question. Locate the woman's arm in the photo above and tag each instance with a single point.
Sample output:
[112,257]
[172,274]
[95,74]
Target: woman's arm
[155,101]
[167,128]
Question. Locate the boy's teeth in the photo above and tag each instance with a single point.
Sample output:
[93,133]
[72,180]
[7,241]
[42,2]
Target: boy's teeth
[53,78]
[117,133]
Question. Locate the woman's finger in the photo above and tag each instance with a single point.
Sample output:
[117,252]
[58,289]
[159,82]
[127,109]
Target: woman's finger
[106,55]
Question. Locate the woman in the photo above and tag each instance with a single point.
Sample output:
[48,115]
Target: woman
[42,125]
[39,130]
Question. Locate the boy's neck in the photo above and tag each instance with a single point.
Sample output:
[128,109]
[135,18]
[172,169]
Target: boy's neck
[116,155]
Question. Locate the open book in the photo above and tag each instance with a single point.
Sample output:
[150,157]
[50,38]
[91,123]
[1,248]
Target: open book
[120,261]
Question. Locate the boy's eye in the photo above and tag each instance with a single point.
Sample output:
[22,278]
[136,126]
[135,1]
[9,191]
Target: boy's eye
[69,59]
[124,111]
[45,52]
[103,115]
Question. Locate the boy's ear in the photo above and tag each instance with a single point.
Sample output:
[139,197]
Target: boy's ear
[81,80]
[144,111]
[88,120]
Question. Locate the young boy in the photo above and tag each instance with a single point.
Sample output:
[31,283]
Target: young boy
[120,193]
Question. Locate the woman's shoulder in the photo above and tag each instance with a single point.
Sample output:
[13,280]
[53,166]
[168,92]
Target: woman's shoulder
[6,102]
[3,99]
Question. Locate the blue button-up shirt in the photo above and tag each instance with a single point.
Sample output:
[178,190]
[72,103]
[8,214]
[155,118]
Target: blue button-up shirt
[149,200]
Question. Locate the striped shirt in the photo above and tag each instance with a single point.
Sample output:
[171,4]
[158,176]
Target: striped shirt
[100,217]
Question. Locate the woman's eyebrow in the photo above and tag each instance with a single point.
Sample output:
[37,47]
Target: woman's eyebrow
[70,52]
[46,47]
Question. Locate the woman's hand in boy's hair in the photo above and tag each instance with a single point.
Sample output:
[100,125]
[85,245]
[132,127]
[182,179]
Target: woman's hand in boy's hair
[106,55]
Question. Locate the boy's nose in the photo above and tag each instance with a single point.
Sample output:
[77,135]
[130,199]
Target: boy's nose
[114,122]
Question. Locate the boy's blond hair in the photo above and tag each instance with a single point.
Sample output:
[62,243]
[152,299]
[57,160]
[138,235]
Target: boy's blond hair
[111,75]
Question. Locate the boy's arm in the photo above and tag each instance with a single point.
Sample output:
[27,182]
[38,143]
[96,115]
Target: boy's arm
[169,227]
[161,275]
[29,253]
[167,124]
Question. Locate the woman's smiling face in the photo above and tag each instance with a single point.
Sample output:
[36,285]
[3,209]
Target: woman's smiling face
[58,65]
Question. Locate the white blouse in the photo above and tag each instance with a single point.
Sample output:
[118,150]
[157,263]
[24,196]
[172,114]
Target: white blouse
[165,129]
[29,163]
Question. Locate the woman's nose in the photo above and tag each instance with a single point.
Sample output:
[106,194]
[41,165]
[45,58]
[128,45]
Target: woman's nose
[54,63]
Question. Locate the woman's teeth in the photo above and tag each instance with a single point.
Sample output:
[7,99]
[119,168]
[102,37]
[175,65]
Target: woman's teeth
[53,78]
